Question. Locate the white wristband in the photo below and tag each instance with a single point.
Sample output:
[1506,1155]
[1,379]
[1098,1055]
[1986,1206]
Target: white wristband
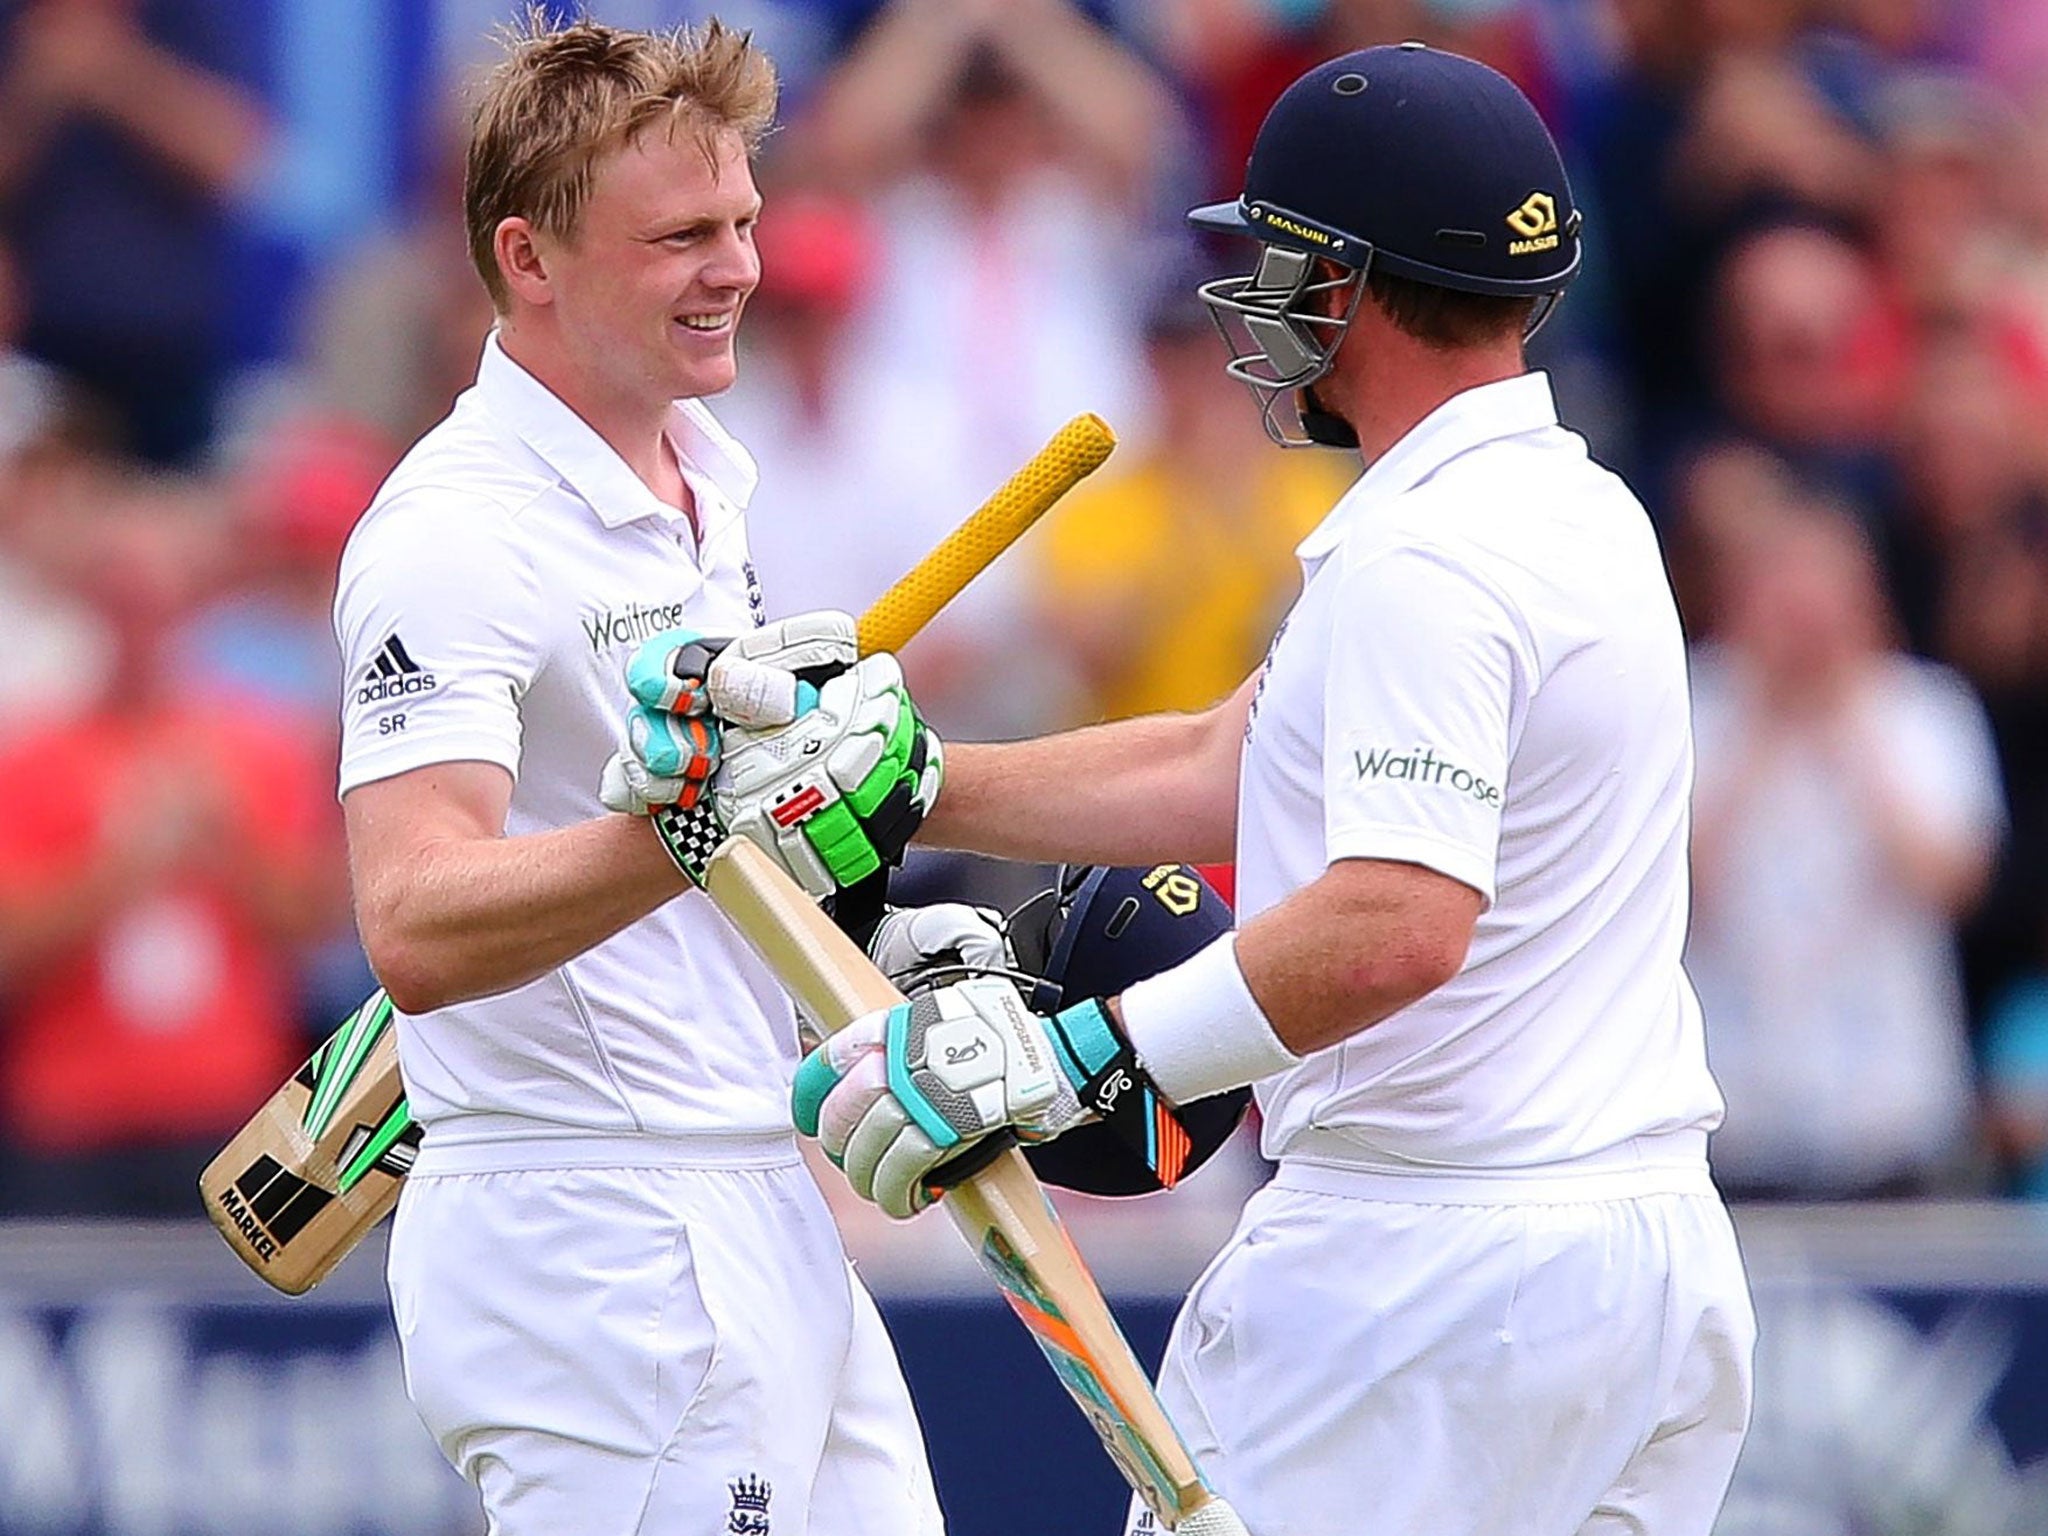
[1198,1030]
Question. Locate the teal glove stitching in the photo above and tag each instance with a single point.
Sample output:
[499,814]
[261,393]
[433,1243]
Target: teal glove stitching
[914,1103]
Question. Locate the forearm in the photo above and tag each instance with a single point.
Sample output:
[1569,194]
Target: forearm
[1321,971]
[1111,106]
[1158,789]
[466,918]
[38,926]
[891,87]
[205,128]
[1362,942]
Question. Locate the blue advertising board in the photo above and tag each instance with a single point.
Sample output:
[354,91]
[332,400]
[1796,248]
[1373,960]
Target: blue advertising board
[150,1388]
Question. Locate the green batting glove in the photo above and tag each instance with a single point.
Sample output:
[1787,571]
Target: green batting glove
[838,793]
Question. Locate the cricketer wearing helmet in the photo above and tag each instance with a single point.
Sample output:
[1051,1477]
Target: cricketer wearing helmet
[1491,1287]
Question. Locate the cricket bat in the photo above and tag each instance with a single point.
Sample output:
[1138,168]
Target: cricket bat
[323,1160]
[1001,1211]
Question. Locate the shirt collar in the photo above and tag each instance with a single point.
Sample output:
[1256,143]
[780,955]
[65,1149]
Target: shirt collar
[1469,419]
[720,473]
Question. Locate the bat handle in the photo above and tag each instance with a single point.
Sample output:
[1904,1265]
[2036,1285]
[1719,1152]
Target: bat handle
[1215,1518]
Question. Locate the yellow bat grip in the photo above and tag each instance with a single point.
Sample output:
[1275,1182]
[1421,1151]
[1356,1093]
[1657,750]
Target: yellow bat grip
[1076,450]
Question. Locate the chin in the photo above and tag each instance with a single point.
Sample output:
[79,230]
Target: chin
[706,378]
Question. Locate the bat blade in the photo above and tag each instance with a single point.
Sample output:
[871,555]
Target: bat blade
[321,1162]
[1002,1211]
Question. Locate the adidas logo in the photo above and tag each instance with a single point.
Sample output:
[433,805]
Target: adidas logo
[393,674]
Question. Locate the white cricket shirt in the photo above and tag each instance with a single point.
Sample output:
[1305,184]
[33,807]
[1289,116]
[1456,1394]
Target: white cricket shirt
[1484,675]
[488,601]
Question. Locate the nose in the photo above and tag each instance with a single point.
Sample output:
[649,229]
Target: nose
[735,265]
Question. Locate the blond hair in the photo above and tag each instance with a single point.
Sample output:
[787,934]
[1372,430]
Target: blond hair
[565,96]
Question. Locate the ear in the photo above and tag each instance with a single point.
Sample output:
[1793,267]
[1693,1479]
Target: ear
[1335,301]
[517,246]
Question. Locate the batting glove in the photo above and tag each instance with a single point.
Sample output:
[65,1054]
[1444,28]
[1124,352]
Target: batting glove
[674,740]
[896,1093]
[672,743]
[837,793]
[920,948]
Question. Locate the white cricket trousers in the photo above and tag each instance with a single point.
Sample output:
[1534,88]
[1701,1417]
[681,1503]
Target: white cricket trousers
[662,1350]
[1414,1356]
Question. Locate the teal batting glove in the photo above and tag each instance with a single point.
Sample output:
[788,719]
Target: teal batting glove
[671,744]
[667,672]
[897,1093]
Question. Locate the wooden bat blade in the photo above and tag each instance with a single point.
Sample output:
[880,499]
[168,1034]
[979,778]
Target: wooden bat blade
[321,1162]
[1001,1211]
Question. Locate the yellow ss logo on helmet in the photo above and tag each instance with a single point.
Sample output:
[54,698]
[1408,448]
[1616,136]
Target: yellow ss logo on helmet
[1536,216]
[1178,891]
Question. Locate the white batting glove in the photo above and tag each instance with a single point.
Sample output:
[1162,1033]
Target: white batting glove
[919,948]
[754,682]
[896,1093]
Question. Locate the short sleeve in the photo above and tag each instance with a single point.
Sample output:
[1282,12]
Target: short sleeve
[1427,666]
[439,617]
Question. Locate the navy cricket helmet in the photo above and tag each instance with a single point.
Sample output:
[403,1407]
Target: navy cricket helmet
[1405,160]
[1098,930]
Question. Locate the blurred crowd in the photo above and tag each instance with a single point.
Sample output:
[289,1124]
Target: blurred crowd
[1812,330]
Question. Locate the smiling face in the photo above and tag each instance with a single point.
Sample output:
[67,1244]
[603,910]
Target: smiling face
[640,302]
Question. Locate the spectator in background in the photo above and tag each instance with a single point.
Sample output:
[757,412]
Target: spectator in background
[54,643]
[161,850]
[1846,815]
[1806,363]
[1728,496]
[1163,577]
[57,646]
[267,638]
[1010,148]
[1706,122]
[1939,234]
[828,479]
[1972,573]
[1970,502]
[126,127]
[393,330]
[267,635]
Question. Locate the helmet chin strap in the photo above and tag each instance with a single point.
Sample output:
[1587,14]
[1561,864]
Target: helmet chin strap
[1321,425]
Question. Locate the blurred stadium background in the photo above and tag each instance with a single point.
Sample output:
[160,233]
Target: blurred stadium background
[1812,330]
